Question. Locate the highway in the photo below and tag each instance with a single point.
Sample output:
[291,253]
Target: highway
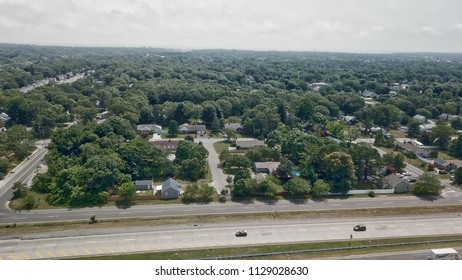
[122,241]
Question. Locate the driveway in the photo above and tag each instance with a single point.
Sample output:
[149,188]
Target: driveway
[218,177]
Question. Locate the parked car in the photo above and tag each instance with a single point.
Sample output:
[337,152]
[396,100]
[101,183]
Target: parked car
[442,172]
[399,175]
[412,180]
[359,228]
[241,233]
[407,173]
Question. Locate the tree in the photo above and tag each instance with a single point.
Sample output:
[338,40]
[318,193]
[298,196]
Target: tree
[192,169]
[428,184]
[297,186]
[215,127]
[339,168]
[458,175]
[366,116]
[366,159]
[336,129]
[245,187]
[456,147]
[285,169]
[172,128]
[379,139]
[230,135]
[441,135]
[352,134]
[19,190]
[305,109]
[238,161]
[456,123]
[413,128]
[394,159]
[268,187]
[229,180]
[241,175]
[126,190]
[320,188]
[198,193]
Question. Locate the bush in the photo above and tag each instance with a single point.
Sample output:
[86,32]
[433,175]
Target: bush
[371,194]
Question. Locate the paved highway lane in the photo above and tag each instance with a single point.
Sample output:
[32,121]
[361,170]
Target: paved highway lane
[222,208]
[22,173]
[179,237]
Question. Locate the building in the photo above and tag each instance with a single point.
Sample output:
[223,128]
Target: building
[448,165]
[369,94]
[170,145]
[248,144]
[192,128]
[446,117]
[350,120]
[420,118]
[234,126]
[399,185]
[171,189]
[409,148]
[141,185]
[146,129]
[267,167]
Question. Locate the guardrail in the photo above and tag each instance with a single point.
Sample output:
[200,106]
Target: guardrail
[331,249]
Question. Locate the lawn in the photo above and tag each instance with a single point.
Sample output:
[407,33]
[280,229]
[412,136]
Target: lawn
[221,146]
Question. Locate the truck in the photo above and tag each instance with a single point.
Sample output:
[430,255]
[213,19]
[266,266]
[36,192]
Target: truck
[444,254]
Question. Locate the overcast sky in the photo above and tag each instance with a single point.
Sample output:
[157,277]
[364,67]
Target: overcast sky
[323,25]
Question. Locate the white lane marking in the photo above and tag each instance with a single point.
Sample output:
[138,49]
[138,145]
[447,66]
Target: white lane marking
[90,241]
[158,211]
[48,245]
[124,213]
[129,239]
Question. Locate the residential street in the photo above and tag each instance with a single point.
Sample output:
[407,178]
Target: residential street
[219,178]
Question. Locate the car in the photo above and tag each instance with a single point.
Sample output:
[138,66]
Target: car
[442,172]
[407,173]
[241,233]
[412,180]
[399,175]
[359,228]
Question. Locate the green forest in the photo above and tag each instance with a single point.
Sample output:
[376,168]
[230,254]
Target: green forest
[290,100]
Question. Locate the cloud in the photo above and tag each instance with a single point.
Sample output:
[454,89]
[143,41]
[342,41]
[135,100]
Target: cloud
[354,25]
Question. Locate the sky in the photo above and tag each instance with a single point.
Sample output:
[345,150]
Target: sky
[298,25]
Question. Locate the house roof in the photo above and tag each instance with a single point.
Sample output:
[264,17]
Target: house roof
[441,161]
[392,180]
[192,127]
[170,183]
[457,163]
[143,182]
[420,118]
[270,165]
[249,143]
[233,126]
[412,148]
[166,144]
[144,127]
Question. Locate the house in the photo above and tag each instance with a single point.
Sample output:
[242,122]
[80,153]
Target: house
[399,185]
[104,115]
[350,120]
[447,165]
[171,189]
[234,126]
[446,117]
[409,148]
[420,118]
[247,144]
[170,145]
[4,117]
[369,94]
[260,177]
[267,167]
[192,128]
[141,185]
[145,129]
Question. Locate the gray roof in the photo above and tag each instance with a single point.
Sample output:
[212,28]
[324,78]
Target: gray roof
[270,165]
[233,126]
[392,180]
[170,183]
[440,161]
[420,118]
[412,148]
[143,182]
[249,143]
[148,127]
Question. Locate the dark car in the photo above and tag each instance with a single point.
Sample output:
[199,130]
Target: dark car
[442,172]
[241,233]
[412,180]
[359,228]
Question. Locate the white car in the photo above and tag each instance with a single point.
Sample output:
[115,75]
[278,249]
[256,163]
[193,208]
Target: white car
[399,175]
[407,173]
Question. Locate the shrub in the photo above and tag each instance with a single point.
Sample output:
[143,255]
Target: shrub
[371,194]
